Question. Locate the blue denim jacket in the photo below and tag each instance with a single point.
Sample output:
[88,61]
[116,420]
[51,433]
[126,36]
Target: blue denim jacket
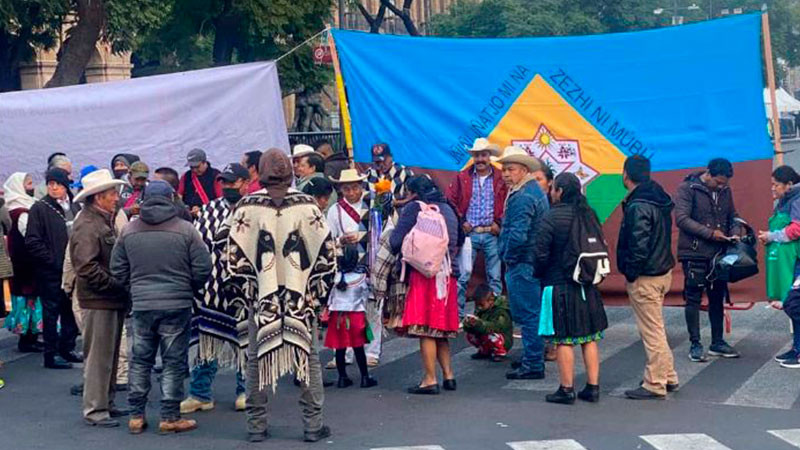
[524,210]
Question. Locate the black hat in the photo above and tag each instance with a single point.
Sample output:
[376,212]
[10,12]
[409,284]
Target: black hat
[60,176]
[380,151]
[233,172]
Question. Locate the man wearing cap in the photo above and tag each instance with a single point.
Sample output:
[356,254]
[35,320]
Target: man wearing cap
[307,164]
[121,165]
[525,206]
[214,337]
[163,261]
[49,226]
[479,194]
[348,220]
[384,167]
[199,185]
[131,195]
[102,298]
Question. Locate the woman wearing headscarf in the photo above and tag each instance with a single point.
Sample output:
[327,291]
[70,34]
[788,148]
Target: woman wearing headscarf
[431,317]
[26,307]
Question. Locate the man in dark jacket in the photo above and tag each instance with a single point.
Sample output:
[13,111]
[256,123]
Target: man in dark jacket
[102,299]
[644,256]
[49,224]
[525,207]
[479,195]
[199,185]
[707,220]
[163,261]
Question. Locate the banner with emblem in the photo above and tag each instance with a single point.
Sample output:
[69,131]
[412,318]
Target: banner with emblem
[583,104]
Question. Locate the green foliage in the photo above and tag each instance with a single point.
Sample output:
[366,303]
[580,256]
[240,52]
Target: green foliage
[202,33]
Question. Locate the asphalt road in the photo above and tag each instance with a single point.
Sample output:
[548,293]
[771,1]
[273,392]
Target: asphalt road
[749,403]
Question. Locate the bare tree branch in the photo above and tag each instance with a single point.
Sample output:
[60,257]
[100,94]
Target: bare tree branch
[373,22]
[404,15]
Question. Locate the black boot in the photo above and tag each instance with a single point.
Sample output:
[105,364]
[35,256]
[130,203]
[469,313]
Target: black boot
[564,395]
[368,382]
[590,393]
[344,382]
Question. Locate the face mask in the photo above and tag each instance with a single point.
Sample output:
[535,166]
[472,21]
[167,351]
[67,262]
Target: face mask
[30,192]
[118,174]
[232,195]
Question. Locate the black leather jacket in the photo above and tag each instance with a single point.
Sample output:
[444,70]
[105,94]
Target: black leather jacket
[645,237]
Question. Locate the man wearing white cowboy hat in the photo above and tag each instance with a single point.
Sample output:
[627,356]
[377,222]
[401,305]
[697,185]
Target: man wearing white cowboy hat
[525,206]
[307,164]
[348,220]
[102,299]
[479,195]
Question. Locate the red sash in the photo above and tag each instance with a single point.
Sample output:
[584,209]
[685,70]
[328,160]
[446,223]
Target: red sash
[349,210]
[132,199]
[198,188]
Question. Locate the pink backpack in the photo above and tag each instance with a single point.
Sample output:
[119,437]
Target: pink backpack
[425,246]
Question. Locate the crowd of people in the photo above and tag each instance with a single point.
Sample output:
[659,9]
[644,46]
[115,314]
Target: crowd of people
[244,268]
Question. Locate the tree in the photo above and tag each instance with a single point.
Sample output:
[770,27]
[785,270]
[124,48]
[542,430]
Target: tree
[376,21]
[80,43]
[24,26]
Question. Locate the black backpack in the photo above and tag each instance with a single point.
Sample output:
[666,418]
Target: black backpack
[587,250]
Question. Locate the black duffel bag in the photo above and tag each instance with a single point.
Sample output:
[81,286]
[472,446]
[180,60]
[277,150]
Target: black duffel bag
[739,260]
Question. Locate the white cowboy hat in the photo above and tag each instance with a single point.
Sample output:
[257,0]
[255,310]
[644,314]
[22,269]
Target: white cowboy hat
[514,154]
[97,182]
[349,176]
[483,145]
[302,150]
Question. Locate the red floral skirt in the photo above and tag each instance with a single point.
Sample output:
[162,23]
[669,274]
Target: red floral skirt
[346,329]
[424,311]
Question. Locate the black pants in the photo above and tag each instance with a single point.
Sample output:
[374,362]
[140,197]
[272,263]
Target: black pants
[695,283]
[57,308]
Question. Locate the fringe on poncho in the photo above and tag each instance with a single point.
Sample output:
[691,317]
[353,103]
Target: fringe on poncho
[281,260]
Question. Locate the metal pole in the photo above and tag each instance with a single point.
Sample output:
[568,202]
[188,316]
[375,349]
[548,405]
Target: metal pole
[341,14]
[675,12]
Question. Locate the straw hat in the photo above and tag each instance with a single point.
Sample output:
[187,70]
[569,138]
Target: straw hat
[302,150]
[97,182]
[349,176]
[514,154]
[483,145]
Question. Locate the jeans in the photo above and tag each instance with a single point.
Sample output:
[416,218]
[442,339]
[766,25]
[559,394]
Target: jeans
[487,243]
[525,297]
[57,309]
[168,331]
[695,283]
[203,378]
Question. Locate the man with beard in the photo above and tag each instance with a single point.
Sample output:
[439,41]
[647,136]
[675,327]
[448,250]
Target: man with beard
[479,195]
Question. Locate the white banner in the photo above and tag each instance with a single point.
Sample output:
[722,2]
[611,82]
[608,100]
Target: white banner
[226,111]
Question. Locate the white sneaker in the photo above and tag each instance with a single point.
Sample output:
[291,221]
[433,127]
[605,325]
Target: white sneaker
[192,404]
[241,402]
[332,364]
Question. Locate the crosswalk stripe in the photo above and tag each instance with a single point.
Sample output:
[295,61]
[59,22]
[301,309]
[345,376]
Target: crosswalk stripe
[559,444]
[691,441]
[686,368]
[413,447]
[791,436]
[617,338]
[759,390]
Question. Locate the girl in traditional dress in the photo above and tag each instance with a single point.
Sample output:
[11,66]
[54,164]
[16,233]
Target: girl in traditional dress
[347,324]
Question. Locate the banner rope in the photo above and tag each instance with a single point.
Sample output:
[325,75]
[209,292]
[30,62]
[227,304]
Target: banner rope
[296,47]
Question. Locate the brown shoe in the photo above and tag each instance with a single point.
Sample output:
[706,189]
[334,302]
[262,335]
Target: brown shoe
[136,425]
[177,426]
[550,353]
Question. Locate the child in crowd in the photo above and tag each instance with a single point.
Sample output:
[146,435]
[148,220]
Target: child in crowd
[490,329]
[347,323]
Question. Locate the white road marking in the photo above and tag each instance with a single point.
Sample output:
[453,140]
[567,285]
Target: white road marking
[417,447]
[791,436]
[691,441]
[559,444]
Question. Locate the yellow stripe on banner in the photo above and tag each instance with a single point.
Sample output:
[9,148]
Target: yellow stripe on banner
[344,111]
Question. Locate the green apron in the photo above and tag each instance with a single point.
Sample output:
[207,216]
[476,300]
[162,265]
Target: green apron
[781,260]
